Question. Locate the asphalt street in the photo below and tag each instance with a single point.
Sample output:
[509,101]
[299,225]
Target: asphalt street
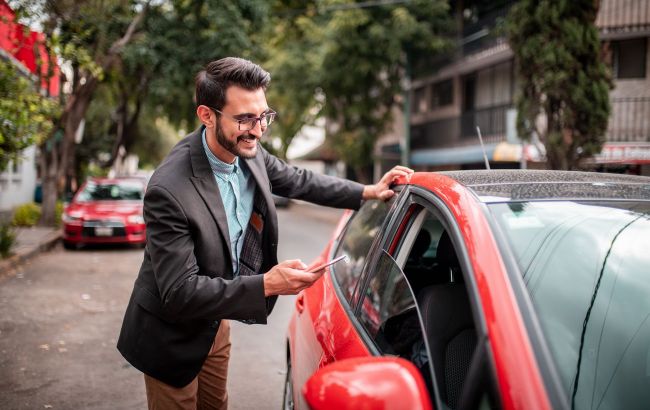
[60,316]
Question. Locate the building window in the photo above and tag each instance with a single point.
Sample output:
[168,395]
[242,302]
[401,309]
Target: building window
[630,58]
[442,94]
[419,100]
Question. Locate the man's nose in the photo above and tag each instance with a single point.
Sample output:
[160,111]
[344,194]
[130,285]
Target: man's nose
[257,129]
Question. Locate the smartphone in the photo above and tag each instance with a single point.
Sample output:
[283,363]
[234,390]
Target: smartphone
[330,263]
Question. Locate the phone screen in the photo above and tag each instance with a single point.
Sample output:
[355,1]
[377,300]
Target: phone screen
[330,263]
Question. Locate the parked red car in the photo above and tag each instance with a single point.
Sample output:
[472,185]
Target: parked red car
[105,210]
[482,289]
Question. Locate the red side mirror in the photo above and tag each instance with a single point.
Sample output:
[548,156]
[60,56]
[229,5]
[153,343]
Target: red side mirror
[367,383]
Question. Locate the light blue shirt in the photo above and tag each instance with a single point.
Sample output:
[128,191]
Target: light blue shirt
[237,190]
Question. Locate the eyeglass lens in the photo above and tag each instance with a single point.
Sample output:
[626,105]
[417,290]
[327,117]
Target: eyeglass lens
[249,123]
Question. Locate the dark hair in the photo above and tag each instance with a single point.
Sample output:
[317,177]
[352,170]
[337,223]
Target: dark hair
[214,80]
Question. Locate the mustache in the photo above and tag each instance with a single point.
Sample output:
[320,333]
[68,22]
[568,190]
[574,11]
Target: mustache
[247,138]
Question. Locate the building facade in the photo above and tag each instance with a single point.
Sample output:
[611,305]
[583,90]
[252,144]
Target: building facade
[25,50]
[475,86]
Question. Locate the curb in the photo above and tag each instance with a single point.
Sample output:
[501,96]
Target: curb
[14,261]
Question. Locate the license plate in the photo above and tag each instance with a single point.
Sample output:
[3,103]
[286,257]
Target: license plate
[103,231]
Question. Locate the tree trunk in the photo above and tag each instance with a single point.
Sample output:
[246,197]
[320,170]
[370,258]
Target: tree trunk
[58,157]
[49,166]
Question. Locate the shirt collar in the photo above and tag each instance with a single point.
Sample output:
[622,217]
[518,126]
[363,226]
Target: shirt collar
[221,169]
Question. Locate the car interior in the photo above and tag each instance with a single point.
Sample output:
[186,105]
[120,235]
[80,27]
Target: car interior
[434,273]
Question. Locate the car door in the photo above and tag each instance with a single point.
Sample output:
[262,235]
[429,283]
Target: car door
[416,302]
[324,329]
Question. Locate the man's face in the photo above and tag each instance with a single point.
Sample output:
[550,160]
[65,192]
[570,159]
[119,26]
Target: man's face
[241,104]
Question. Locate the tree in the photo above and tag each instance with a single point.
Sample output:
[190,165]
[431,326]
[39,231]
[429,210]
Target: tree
[81,35]
[293,61]
[25,115]
[356,55]
[563,82]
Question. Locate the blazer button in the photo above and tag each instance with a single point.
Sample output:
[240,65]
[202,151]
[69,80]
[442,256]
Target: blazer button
[215,324]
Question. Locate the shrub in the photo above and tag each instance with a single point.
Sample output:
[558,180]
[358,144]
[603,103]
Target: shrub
[58,212]
[7,239]
[27,215]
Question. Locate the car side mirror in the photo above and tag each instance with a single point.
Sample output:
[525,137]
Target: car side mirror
[368,383]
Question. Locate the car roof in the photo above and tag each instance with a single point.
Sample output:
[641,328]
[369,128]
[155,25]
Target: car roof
[518,185]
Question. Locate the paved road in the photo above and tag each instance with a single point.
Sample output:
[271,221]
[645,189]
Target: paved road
[60,316]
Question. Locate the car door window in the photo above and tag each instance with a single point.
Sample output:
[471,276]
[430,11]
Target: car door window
[356,242]
[423,276]
[389,314]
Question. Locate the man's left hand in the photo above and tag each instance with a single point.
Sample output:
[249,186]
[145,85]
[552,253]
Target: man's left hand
[381,189]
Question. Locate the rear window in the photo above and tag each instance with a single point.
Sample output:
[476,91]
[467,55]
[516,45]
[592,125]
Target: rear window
[586,266]
[127,190]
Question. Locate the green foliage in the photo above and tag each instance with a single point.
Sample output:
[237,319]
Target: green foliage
[346,62]
[58,212]
[181,37]
[562,78]
[7,239]
[26,115]
[26,215]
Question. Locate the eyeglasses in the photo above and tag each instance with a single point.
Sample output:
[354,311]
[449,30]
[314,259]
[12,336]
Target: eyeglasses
[247,124]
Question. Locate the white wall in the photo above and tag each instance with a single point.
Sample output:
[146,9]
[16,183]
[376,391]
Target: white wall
[17,188]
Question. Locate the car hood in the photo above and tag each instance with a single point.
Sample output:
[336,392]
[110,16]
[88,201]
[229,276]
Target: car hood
[103,209]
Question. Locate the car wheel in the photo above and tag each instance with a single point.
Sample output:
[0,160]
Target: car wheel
[70,246]
[288,389]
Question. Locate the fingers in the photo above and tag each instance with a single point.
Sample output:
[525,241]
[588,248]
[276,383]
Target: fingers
[402,168]
[396,172]
[386,195]
[283,279]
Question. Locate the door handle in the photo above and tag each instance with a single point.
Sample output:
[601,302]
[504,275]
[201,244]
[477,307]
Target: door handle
[300,302]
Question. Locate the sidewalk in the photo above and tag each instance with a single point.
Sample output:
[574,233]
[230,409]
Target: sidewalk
[29,242]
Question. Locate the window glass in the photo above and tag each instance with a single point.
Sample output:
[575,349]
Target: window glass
[419,100]
[585,265]
[442,94]
[356,242]
[389,314]
[630,58]
[127,190]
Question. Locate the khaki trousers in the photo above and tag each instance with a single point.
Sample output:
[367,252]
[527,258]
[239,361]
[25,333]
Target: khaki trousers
[206,391]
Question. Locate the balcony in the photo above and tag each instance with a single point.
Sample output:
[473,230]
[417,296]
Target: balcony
[629,120]
[491,121]
[623,16]
[462,130]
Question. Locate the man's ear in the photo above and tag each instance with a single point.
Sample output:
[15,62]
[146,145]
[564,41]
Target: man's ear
[205,116]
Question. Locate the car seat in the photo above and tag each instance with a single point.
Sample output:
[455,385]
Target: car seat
[449,326]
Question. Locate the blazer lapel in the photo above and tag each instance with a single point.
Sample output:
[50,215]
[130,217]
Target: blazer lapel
[206,186]
[261,180]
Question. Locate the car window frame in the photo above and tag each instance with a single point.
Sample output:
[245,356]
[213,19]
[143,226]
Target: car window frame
[420,197]
[350,305]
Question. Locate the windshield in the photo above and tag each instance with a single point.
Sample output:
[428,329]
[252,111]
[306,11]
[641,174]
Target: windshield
[116,191]
[586,266]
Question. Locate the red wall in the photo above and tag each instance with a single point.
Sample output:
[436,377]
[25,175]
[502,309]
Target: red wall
[24,45]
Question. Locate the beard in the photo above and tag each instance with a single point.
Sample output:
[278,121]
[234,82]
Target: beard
[233,146]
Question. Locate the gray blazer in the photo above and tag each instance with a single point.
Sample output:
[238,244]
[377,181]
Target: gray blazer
[185,285]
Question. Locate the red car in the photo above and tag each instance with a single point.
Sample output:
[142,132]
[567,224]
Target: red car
[482,289]
[105,210]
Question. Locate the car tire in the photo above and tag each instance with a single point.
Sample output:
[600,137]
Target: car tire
[288,390]
[70,246]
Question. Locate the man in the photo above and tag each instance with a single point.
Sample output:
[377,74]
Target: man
[212,234]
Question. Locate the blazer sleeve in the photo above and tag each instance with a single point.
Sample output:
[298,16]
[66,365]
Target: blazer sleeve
[293,182]
[185,292]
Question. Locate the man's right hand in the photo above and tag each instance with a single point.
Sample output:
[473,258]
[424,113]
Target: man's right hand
[289,278]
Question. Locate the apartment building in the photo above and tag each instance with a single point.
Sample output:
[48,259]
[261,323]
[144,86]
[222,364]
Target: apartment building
[475,86]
